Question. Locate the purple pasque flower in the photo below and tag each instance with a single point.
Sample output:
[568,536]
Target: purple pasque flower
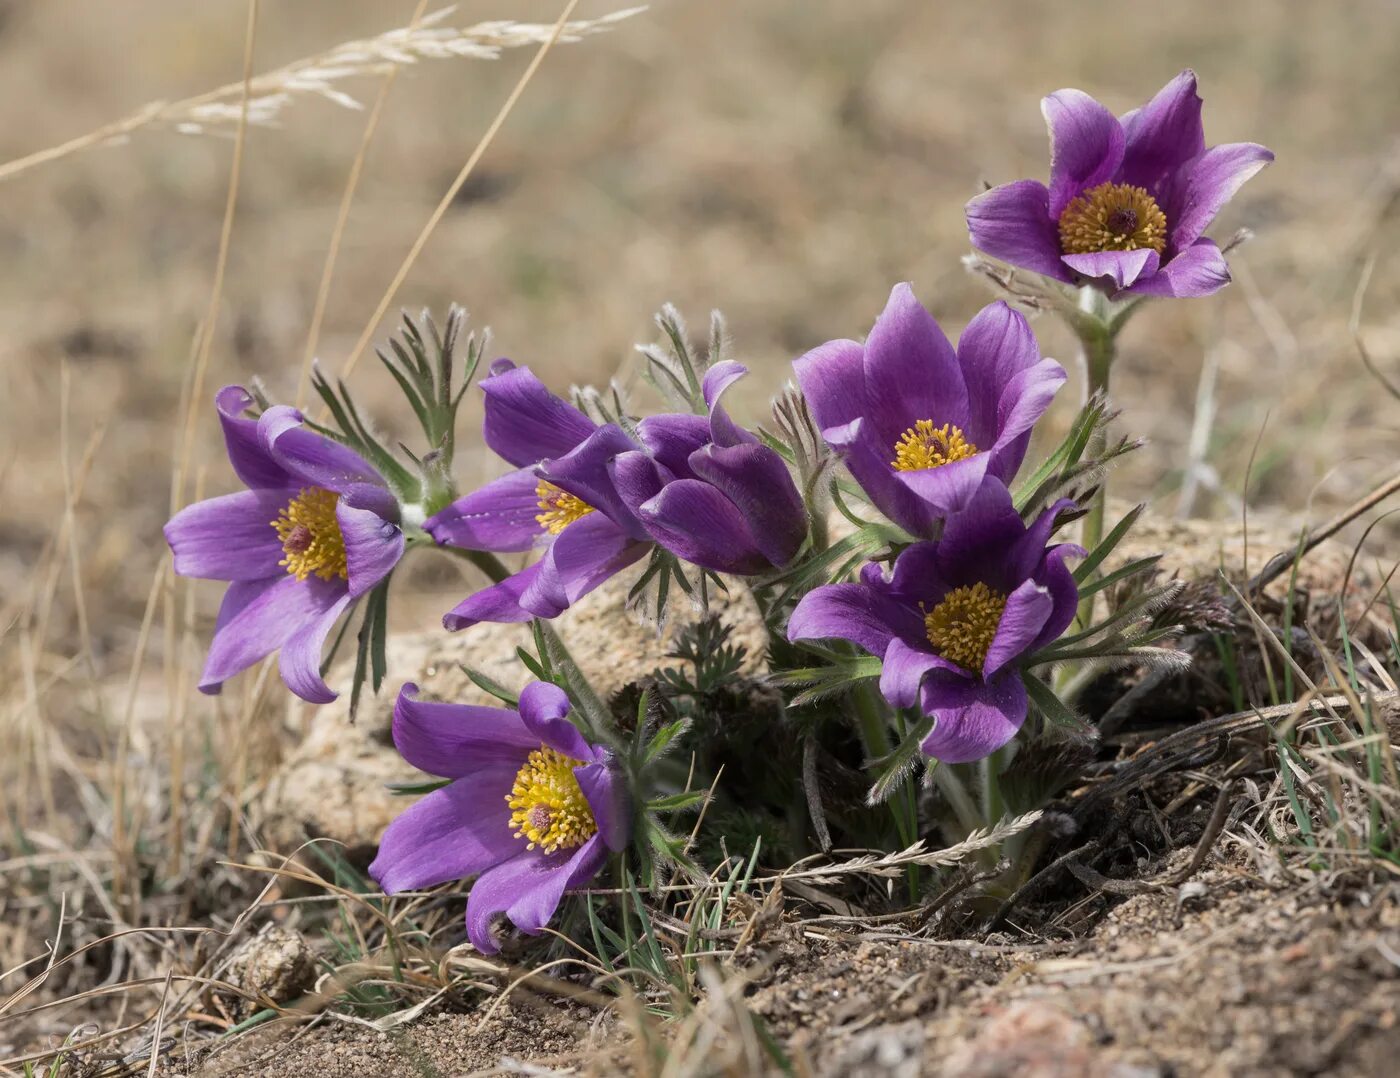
[921,426]
[561,496]
[954,618]
[709,491]
[532,809]
[1128,200]
[316,529]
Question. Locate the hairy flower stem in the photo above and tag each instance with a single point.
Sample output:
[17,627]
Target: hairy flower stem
[1096,325]
[875,736]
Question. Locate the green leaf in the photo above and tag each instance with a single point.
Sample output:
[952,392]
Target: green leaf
[1142,565]
[1096,556]
[424,786]
[662,739]
[677,802]
[1057,713]
[894,768]
[491,686]
[824,681]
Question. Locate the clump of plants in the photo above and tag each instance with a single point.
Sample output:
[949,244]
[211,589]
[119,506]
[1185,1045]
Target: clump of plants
[936,599]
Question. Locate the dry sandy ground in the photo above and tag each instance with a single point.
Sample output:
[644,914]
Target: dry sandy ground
[1226,976]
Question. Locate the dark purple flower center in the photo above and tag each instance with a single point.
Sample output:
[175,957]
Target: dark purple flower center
[1123,221]
[1113,217]
[298,540]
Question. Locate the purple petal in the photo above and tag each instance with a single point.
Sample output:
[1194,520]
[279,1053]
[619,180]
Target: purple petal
[949,487]
[1025,554]
[724,430]
[460,830]
[1013,223]
[231,652]
[854,612]
[832,379]
[1197,271]
[911,371]
[1024,400]
[606,792]
[525,423]
[1203,186]
[1086,145]
[963,734]
[497,603]
[976,542]
[300,664]
[585,474]
[1027,610]
[1057,579]
[544,710]
[229,538]
[671,438]
[868,459]
[916,577]
[1163,134]
[258,617]
[247,452]
[585,554]
[313,458]
[456,740]
[499,516]
[1115,270]
[756,480]
[904,669]
[996,346]
[373,546]
[698,524]
[527,889]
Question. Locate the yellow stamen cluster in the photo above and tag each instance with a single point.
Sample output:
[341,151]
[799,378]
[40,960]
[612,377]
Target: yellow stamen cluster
[558,508]
[962,627]
[1112,217]
[925,446]
[548,808]
[310,535]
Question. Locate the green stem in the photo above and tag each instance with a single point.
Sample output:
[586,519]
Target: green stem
[1097,337]
[959,800]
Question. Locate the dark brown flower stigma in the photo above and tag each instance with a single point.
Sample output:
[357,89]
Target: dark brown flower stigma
[298,540]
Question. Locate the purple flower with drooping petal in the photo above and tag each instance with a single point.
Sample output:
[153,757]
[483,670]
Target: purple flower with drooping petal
[316,529]
[1129,198]
[532,809]
[561,496]
[921,426]
[709,491]
[953,619]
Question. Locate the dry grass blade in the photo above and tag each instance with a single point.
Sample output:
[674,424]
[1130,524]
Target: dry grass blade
[221,110]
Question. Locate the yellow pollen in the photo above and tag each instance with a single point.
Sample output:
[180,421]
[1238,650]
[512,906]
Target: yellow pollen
[925,446]
[1112,217]
[558,507]
[548,808]
[310,535]
[962,627]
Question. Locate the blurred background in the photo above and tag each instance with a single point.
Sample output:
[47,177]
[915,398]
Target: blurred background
[785,161]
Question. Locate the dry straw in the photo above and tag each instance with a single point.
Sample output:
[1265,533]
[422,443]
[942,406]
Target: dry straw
[219,111]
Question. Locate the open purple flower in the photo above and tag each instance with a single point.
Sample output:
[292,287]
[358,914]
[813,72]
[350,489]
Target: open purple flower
[953,620]
[921,426]
[532,811]
[1128,198]
[709,491]
[561,496]
[316,529]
